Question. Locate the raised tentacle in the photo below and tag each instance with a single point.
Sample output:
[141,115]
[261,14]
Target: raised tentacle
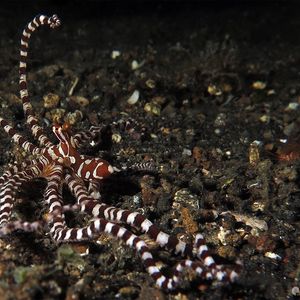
[31,120]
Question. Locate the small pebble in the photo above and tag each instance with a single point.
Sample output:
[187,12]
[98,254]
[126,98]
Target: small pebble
[265,118]
[116,138]
[259,85]
[115,54]
[187,152]
[222,235]
[292,106]
[213,90]
[82,101]
[51,100]
[254,152]
[295,291]
[220,120]
[134,65]
[152,108]
[185,198]
[257,206]
[150,84]
[56,115]
[74,117]
[134,97]
[272,255]
[271,92]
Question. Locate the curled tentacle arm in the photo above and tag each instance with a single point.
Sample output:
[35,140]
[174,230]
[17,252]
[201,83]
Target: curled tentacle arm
[19,139]
[9,188]
[31,120]
[85,137]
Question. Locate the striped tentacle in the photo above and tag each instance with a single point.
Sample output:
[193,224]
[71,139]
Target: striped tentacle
[85,137]
[209,269]
[96,209]
[99,226]
[199,267]
[217,271]
[19,139]
[19,225]
[202,268]
[94,190]
[53,198]
[206,273]
[31,120]
[8,189]
[140,166]
[13,169]
[61,233]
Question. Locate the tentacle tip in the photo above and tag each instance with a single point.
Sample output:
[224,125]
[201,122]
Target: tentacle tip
[54,21]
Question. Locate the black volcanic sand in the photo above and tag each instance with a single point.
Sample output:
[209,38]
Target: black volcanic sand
[211,82]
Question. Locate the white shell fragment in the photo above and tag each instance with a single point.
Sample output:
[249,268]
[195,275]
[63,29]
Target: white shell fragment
[272,255]
[187,152]
[115,54]
[134,97]
[214,90]
[222,235]
[259,85]
[254,222]
[134,65]
[271,92]
[292,106]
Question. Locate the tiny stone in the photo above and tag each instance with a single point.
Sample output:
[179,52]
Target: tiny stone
[115,54]
[271,92]
[134,97]
[51,100]
[134,65]
[217,131]
[295,291]
[254,153]
[213,90]
[272,255]
[264,118]
[259,85]
[74,117]
[82,101]
[56,115]
[187,152]
[150,84]
[292,106]
[116,138]
[257,206]
[220,120]
[136,199]
[152,108]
